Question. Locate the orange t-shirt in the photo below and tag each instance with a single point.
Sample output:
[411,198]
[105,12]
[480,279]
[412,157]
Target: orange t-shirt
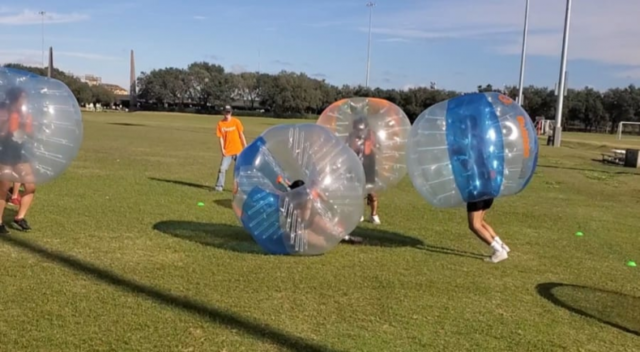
[15,120]
[230,131]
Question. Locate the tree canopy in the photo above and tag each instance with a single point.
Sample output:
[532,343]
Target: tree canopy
[83,92]
[206,86]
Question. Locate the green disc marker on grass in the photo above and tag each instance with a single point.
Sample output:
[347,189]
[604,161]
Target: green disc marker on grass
[200,204]
[579,234]
[631,264]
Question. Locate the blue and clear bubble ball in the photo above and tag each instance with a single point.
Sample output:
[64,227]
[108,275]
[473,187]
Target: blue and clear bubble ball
[298,190]
[471,148]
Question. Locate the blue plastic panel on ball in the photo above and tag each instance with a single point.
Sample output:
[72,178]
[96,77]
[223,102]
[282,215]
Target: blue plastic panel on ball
[311,219]
[40,127]
[261,217]
[250,154]
[474,142]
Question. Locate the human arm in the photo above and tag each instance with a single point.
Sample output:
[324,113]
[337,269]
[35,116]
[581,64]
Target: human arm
[221,139]
[222,146]
[243,140]
[28,128]
[318,194]
[4,120]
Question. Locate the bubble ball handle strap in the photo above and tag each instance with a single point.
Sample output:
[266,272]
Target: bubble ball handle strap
[282,181]
[315,194]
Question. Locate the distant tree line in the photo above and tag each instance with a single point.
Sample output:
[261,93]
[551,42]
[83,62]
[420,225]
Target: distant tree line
[205,87]
[84,92]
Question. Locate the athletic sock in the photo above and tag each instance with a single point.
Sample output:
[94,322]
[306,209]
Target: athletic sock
[497,247]
[497,239]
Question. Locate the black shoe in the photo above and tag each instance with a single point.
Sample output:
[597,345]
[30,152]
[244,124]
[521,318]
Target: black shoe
[22,224]
[353,240]
[3,230]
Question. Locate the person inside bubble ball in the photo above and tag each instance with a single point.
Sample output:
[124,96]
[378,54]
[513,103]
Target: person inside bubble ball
[310,215]
[476,210]
[16,125]
[362,140]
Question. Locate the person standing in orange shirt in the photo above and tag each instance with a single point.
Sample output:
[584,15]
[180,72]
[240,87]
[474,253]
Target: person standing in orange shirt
[232,141]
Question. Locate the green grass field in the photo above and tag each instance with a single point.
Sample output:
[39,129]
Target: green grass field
[121,258]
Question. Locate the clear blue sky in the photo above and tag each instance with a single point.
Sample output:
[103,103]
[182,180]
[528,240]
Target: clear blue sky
[456,43]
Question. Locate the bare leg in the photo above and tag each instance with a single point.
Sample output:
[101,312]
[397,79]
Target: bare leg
[489,229]
[4,188]
[475,220]
[486,226]
[372,201]
[27,199]
[16,190]
[477,226]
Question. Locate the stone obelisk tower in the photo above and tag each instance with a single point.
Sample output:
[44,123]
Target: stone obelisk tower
[133,94]
[50,71]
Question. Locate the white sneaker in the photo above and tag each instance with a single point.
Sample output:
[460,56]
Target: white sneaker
[498,257]
[375,220]
[506,249]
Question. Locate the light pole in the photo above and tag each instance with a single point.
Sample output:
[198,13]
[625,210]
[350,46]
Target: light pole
[524,51]
[42,13]
[370,5]
[557,131]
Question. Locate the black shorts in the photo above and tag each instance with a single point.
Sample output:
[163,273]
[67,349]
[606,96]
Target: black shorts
[12,153]
[369,165]
[480,205]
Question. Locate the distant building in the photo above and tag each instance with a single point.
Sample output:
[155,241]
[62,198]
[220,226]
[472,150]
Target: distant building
[115,89]
[91,80]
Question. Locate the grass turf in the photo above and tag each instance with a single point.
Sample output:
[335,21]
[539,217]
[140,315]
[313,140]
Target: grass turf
[121,258]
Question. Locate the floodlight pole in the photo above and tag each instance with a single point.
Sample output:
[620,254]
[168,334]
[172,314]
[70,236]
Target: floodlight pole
[524,51]
[557,131]
[42,13]
[370,5]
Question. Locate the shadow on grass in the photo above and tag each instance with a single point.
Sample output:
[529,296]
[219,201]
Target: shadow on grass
[182,183]
[223,236]
[614,309]
[213,314]
[591,170]
[224,203]
[126,124]
[9,214]
[236,239]
[382,238]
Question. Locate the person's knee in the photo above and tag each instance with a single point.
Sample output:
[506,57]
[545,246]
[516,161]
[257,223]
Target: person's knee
[372,199]
[29,188]
[475,227]
[5,186]
[224,165]
[475,224]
